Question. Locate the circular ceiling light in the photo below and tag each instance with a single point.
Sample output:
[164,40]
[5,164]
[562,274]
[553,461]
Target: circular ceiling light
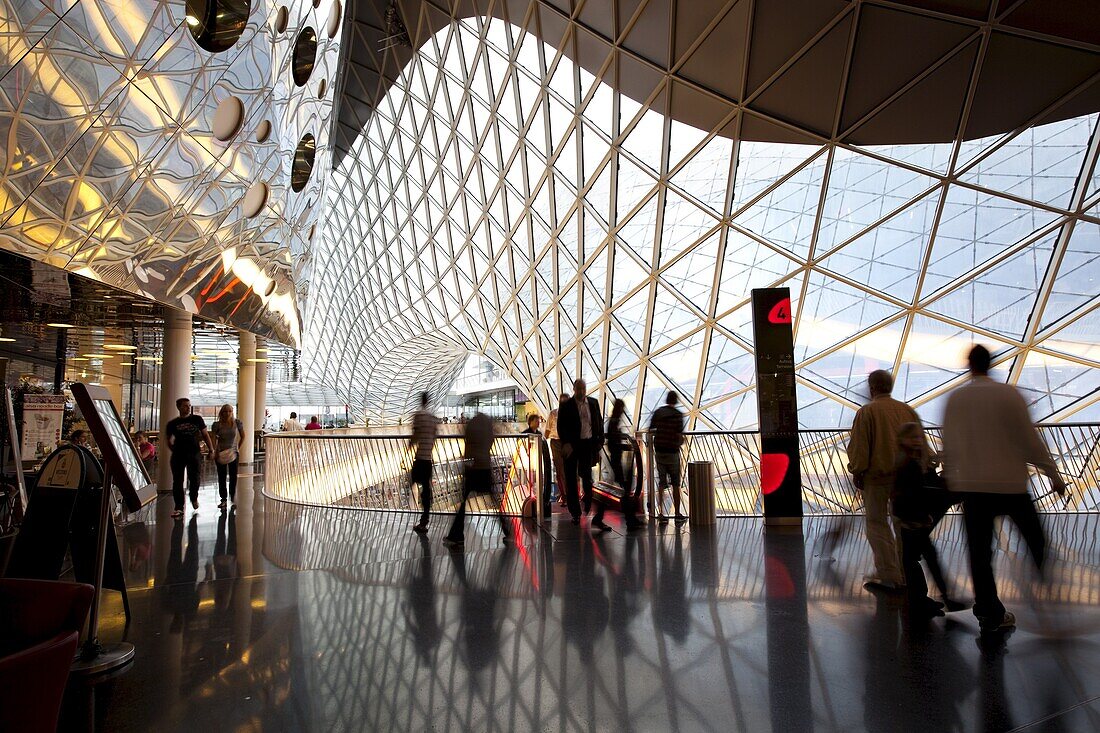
[333,24]
[217,25]
[254,199]
[58,324]
[263,131]
[305,55]
[302,166]
[270,289]
[228,118]
[321,89]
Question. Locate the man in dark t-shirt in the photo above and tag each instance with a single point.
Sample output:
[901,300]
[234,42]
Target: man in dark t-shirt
[182,435]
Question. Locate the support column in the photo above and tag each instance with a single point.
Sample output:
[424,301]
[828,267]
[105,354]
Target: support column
[261,384]
[246,392]
[175,382]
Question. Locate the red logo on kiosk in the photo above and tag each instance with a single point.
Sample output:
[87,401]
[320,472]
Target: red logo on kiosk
[780,312]
[773,469]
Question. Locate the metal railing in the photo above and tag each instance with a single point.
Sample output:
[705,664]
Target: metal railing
[371,471]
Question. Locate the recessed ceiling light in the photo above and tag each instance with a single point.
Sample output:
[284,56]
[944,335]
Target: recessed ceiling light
[100,356]
[77,358]
[6,340]
[260,361]
[126,363]
[120,347]
[60,325]
[147,358]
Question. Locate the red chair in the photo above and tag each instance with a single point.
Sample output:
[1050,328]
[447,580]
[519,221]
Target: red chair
[40,624]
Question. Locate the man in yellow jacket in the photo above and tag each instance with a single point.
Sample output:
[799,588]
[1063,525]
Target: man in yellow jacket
[872,459]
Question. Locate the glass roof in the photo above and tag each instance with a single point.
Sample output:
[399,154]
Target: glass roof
[507,202]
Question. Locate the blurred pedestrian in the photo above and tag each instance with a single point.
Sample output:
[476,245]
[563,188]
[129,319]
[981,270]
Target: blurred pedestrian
[919,501]
[291,423]
[533,422]
[872,460]
[618,443]
[580,426]
[667,425]
[988,440]
[478,476]
[314,423]
[425,427]
[555,449]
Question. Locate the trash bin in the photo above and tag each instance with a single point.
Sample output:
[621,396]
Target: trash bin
[701,493]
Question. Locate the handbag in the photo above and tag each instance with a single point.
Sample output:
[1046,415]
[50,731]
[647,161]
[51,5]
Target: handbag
[227,456]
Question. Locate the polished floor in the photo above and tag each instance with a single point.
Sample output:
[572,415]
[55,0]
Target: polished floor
[276,617]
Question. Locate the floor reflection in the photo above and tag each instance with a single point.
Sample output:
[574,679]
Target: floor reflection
[281,617]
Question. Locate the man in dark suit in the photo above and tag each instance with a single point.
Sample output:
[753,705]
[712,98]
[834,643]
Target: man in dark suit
[580,427]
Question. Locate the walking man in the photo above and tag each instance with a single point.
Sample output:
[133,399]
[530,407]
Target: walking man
[580,426]
[423,441]
[478,476]
[872,461]
[667,425]
[988,441]
[183,434]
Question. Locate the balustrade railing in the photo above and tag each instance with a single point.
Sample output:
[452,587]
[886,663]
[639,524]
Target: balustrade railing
[371,471]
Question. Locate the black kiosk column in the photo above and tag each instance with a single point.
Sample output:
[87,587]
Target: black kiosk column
[780,474]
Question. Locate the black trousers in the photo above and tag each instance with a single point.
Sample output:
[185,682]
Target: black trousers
[228,470]
[916,544]
[979,511]
[422,474]
[578,471]
[628,503]
[477,480]
[181,465]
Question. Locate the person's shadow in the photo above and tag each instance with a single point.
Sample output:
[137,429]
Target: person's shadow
[420,611]
[181,594]
[913,670]
[585,607]
[480,625]
[626,585]
[670,606]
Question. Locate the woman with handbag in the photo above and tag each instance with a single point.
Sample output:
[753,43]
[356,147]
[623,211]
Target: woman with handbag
[228,436]
[918,504]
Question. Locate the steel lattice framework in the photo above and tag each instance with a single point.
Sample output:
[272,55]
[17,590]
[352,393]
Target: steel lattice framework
[504,200]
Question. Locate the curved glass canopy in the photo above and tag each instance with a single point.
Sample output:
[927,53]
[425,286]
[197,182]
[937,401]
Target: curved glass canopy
[505,201]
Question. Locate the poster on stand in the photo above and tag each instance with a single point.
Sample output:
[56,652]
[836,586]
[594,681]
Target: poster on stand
[43,416]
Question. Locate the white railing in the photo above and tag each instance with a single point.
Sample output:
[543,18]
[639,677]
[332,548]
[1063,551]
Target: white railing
[340,468]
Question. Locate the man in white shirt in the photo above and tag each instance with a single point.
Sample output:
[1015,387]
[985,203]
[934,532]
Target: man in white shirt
[425,425]
[291,423]
[988,440]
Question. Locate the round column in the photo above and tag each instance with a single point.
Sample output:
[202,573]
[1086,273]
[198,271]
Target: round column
[175,382]
[246,393]
[261,384]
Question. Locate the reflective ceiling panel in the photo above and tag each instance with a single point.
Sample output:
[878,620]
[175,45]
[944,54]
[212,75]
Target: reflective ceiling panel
[147,151]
